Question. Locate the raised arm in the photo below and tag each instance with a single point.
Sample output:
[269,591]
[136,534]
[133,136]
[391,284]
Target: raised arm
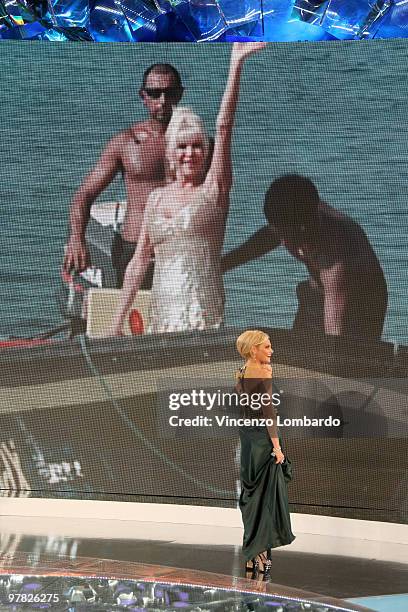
[260,243]
[220,171]
[108,165]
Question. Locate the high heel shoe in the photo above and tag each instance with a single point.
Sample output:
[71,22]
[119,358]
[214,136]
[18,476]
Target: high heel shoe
[268,566]
[252,571]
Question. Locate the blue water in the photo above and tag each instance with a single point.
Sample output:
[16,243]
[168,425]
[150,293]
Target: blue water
[335,112]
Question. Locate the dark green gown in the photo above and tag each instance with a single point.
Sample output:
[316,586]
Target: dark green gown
[264,496]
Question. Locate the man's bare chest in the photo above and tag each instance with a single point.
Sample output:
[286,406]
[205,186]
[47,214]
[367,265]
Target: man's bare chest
[144,159]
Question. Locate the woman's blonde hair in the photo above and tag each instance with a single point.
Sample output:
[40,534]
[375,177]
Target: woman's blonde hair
[247,340]
[184,124]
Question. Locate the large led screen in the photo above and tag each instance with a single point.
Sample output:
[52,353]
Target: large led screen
[182,194]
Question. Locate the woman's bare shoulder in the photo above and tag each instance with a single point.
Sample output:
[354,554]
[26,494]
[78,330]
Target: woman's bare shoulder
[258,371]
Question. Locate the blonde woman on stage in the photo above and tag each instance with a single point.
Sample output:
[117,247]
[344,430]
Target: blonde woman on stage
[264,469]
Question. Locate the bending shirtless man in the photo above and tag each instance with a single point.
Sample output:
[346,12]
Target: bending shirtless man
[138,153]
[346,293]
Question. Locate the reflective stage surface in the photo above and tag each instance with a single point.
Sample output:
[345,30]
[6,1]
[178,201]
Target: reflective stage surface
[85,583]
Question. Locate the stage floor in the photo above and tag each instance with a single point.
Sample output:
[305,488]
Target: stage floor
[330,575]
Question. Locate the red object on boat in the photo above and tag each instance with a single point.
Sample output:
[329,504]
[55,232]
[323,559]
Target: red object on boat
[22,342]
[136,322]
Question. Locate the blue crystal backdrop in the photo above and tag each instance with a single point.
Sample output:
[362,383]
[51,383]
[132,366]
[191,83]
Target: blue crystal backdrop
[202,20]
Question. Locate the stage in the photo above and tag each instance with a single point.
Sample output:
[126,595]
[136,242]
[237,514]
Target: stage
[91,583]
[166,566]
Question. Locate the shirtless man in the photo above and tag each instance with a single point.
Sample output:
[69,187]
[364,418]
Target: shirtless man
[346,293]
[138,153]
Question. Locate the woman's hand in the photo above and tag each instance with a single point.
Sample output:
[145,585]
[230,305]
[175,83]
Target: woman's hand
[279,456]
[240,51]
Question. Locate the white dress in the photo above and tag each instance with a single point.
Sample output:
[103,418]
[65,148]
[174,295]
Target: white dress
[188,290]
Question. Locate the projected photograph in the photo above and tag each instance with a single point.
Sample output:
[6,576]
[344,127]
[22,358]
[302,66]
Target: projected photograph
[257,192]
[160,199]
